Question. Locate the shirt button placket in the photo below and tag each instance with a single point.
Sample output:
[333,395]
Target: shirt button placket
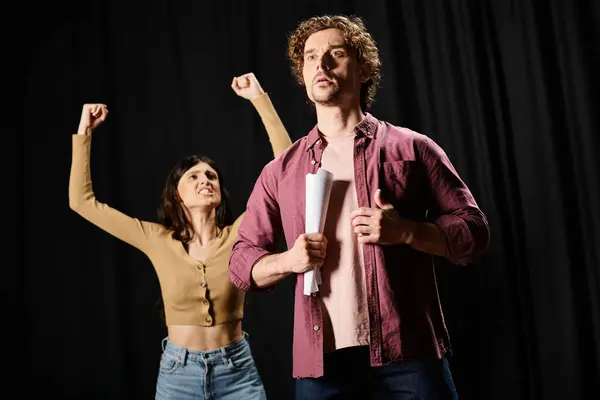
[203,284]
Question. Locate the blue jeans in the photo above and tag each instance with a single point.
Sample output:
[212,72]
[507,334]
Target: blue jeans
[225,373]
[348,375]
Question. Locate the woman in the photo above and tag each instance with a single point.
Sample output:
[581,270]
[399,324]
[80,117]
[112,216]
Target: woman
[206,353]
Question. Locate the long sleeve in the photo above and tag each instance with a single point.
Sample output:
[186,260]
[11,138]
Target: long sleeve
[258,232]
[278,135]
[462,224]
[83,201]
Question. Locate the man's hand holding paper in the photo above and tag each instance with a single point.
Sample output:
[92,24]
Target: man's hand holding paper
[308,252]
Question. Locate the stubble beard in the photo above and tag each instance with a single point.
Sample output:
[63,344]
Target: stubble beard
[326,97]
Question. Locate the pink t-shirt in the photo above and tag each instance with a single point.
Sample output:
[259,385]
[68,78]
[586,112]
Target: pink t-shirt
[343,291]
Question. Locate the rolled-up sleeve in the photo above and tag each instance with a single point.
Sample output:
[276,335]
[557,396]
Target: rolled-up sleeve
[259,230]
[462,224]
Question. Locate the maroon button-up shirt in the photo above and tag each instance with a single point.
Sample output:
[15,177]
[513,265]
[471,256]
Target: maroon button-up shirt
[405,317]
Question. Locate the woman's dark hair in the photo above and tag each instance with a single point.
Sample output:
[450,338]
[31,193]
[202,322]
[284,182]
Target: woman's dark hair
[171,212]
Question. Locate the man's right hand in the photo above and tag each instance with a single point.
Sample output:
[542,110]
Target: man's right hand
[308,252]
[92,115]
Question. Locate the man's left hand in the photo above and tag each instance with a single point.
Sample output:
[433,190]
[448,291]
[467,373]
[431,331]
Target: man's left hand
[382,225]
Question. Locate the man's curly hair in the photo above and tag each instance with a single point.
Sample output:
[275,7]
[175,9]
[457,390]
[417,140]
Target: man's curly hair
[356,36]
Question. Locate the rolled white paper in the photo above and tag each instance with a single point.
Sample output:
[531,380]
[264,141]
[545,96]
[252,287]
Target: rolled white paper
[318,190]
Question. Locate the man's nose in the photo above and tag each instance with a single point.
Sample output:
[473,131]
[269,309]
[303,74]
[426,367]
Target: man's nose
[324,63]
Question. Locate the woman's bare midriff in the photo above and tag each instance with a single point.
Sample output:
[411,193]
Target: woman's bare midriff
[203,338]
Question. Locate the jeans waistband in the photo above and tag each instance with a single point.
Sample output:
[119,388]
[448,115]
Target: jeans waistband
[184,354]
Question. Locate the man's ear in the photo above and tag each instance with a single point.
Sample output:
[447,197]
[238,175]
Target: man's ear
[365,73]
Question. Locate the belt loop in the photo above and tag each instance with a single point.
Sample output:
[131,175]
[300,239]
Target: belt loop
[164,343]
[224,356]
[182,357]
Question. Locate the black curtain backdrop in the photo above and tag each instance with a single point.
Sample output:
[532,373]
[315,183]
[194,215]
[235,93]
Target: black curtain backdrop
[508,88]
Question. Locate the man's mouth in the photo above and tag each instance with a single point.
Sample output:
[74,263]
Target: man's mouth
[322,79]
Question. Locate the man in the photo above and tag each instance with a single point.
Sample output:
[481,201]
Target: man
[375,327]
